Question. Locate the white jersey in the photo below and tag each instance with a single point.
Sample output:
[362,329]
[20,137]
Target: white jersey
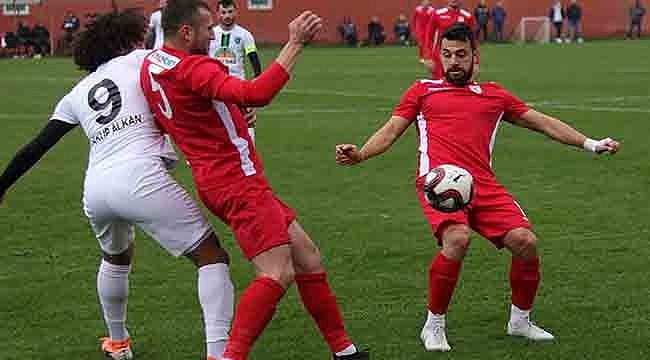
[110,107]
[231,48]
[155,25]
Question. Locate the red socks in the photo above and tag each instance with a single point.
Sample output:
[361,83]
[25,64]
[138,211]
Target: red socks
[254,311]
[524,280]
[320,302]
[443,276]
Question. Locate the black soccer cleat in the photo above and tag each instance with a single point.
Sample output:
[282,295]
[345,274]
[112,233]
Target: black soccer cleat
[359,355]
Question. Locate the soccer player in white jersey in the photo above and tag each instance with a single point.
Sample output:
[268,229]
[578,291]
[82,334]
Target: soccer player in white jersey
[232,44]
[127,181]
[155,26]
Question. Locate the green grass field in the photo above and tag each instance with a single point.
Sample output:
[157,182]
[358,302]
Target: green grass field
[591,215]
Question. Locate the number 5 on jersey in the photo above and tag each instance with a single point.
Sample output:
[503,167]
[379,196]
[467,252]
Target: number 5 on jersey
[165,108]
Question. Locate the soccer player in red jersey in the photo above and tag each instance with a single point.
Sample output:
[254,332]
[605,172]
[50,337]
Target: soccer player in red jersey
[439,21]
[419,21]
[198,104]
[456,124]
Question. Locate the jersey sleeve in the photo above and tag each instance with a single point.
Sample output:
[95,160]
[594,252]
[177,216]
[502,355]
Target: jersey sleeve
[209,79]
[64,111]
[410,105]
[514,108]
[249,43]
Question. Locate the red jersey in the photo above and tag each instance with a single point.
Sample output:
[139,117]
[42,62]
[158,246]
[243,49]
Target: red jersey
[441,20]
[420,20]
[195,100]
[458,125]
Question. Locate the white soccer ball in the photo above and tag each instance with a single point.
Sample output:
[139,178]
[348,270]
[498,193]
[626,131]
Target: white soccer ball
[448,188]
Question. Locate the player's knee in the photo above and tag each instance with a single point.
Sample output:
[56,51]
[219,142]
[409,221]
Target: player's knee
[455,241]
[209,252]
[522,242]
[285,275]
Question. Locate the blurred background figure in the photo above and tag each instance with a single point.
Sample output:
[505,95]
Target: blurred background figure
[348,32]
[419,21]
[402,30]
[556,15]
[637,11]
[482,15]
[40,40]
[574,17]
[498,20]
[376,33]
[24,35]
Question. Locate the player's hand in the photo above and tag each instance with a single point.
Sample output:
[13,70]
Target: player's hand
[250,115]
[348,154]
[304,28]
[607,145]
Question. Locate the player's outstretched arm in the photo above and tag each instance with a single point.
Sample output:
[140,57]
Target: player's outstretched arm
[564,133]
[260,91]
[31,153]
[379,142]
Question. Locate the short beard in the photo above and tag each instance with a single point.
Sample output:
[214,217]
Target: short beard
[462,81]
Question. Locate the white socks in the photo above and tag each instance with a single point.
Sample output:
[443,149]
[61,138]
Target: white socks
[217,297]
[435,320]
[113,291]
[517,315]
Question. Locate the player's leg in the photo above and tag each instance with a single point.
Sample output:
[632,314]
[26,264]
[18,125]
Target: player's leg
[524,282]
[216,293]
[261,231]
[116,242]
[167,213]
[499,218]
[452,231]
[113,288]
[317,295]
[443,277]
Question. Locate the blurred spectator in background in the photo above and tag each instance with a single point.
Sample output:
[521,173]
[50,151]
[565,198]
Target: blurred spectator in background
[10,43]
[482,15]
[499,20]
[24,34]
[376,34]
[348,32]
[637,11]
[574,17]
[403,30]
[41,40]
[419,21]
[556,15]
[90,18]
[71,24]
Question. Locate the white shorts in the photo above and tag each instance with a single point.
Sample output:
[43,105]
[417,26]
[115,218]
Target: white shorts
[142,192]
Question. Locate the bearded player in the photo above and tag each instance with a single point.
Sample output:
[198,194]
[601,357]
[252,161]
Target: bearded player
[456,122]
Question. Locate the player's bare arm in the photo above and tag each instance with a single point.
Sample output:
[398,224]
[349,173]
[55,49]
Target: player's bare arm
[564,133]
[379,142]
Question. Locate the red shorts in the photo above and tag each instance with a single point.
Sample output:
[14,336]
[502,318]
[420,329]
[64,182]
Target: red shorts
[259,220]
[492,213]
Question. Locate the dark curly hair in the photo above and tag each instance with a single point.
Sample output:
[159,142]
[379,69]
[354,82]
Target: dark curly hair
[227,3]
[179,13]
[109,36]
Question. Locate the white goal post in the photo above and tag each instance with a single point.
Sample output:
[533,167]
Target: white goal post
[537,29]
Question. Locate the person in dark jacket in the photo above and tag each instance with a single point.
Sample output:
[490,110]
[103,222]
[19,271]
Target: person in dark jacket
[574,17]
[376,34]
[637,11]
[482,15]
[498,20]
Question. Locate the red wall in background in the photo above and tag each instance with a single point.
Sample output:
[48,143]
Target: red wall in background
[601,18]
